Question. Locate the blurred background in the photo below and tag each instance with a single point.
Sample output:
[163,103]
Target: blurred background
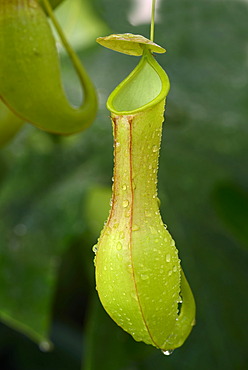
[55,191]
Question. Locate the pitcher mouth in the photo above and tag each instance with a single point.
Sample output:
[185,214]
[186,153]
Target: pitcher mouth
[145,86]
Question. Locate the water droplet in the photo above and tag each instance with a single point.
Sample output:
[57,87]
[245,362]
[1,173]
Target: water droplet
[125,203]
[113,178]
[170,273]
[124,187]
[154,148]
[94,248]
[168,257]
[174,268]
[168,352]
[159,202]
[144,277]
[135,228]
[172,242]
[117,143]
[110,202]
[119,246]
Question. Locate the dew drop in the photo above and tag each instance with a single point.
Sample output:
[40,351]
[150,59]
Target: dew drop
[94,248]
[119,246]
[174,268]
[170,273]
[168,352]
[113,178]
[154,148]
[124,187]
[168,257]
[172,242]
[125,203]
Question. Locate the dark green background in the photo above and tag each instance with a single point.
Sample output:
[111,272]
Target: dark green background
[49,219]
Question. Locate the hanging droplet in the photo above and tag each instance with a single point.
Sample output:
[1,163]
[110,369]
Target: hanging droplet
[168,352]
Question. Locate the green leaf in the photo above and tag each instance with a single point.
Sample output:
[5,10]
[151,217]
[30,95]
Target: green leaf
[34,233]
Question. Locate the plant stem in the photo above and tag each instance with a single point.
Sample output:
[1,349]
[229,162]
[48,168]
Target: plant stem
[152,20]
